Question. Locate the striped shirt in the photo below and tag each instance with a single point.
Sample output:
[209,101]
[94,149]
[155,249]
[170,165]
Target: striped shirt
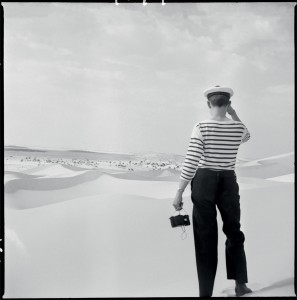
[213,145]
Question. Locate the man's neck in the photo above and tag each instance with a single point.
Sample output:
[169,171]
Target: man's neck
[218,113]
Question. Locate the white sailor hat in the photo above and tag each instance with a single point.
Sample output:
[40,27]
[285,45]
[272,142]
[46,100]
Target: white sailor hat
[222,90]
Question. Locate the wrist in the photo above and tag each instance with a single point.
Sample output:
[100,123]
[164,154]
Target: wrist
[180,190]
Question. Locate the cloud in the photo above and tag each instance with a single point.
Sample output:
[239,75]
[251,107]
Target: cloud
[64,55]
[281,89]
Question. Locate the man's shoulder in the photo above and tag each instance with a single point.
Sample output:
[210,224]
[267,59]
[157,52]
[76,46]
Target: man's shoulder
[202,122]
[211,122]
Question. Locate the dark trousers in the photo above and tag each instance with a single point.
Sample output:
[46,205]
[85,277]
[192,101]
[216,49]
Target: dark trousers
[210,189]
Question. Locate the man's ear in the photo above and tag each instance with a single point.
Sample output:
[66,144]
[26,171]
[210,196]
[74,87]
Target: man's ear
[208,104]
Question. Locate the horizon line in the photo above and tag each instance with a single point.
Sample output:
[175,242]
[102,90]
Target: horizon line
[95,151]
[140,153]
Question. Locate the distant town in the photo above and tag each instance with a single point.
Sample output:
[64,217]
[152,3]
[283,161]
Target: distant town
[22,158]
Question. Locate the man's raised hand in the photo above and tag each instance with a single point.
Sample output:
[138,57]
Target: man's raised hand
[230,110]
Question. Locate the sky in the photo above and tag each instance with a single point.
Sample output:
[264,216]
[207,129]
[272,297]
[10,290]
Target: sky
[130,78]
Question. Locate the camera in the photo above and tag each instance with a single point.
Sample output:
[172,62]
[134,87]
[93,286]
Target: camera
[180,220]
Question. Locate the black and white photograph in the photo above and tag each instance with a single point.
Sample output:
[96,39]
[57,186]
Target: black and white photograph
[148,149]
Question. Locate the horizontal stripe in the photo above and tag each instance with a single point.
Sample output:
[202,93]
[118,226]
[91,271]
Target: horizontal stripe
[220,153]
[228,166]
[223,131]
[202,161]
[226,155]
[218,158]
[223,155]
[216,163]
[228,125]
[195,161]
[190,167]
[196,144]
[191,151]
[189,164]
[226,152]
[217,166]
[213,128]
[193,157]
[184,178]
[195,153]
[219,124]
[219,135]
[195,147]
[187,172]
[221,140]
[199,140]
[198,147]
[229,145]
[215,148]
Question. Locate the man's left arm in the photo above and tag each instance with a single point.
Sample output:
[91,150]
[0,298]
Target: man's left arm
[195,151]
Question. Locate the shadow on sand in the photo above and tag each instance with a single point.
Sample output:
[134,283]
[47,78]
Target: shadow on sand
[257,291]
[278,284]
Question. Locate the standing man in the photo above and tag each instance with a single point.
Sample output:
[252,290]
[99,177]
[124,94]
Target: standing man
[210,166]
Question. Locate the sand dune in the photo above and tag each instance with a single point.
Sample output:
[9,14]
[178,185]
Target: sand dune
[19,174]
[118,244]
[53,177]
[105,247]
[283,159]
[166,173]
[11,175]
[50,182]
[73,232]
[30,192]
[284,178]
[158,184]
[154,175]
[264,170]
[54,170]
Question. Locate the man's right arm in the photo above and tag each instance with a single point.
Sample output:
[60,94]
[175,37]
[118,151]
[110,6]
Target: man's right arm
[235,117]
[246,135]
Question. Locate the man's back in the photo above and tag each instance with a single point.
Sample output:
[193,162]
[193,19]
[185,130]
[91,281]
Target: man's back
[214,145]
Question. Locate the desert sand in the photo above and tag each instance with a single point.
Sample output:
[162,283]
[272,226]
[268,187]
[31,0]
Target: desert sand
[101,229]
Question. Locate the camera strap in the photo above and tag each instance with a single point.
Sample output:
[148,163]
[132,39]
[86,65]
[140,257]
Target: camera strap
[184,233]
[183,228]
[179,211]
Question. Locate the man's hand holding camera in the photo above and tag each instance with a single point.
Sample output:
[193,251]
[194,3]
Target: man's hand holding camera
[178,201]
